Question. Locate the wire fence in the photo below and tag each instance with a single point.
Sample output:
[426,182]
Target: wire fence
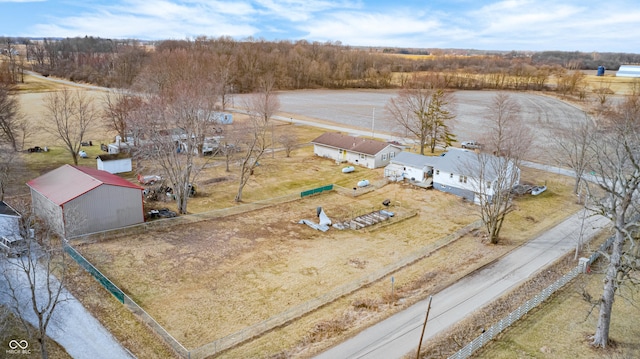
[514,316]
[125,299]
[275,321]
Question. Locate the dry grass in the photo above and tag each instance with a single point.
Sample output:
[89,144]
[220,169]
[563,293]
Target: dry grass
[211,278]
[14,329]
[562,326]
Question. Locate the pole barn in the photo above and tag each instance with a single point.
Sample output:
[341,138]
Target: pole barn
[78,200]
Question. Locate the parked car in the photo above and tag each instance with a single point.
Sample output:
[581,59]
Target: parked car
[471,145]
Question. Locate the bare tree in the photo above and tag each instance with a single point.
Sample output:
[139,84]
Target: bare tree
[496,169]
[13,126]
[34,280]
[617,164]
[425,114]
[288,140]
[119,107]
[71,114]
[175,128]
[573,143]
[261,106]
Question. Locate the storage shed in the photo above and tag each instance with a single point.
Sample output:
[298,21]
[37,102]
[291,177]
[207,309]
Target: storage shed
[78,200]
[114,163]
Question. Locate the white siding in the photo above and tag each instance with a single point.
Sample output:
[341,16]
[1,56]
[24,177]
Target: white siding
[327,152]
[115,166]
[9,225]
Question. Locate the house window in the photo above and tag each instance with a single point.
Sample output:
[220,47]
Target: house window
[464,179]
[488,184]
[384,156]
[392,155]
[460,178]
[361,156]
[450,175]
[437,172]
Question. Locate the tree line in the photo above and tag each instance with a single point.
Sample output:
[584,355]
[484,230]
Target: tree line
[298,64]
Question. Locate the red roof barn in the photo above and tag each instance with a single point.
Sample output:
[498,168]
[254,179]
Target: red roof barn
[79,200]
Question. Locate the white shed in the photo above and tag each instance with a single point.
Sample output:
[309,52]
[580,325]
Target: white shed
[78,200]
[114,163]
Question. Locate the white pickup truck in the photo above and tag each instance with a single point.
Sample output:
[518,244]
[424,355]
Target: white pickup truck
[471,145]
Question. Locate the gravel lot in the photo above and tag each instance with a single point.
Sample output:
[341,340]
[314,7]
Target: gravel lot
[364,108]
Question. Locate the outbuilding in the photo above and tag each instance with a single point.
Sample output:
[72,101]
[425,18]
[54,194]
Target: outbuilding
[77,200]
[114,163]
[628,71]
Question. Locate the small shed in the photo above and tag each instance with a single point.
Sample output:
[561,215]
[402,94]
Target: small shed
[77,200]
[114,163]
[9,220]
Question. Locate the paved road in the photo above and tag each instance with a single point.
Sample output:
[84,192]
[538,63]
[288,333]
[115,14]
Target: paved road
[399,334]
[72,326]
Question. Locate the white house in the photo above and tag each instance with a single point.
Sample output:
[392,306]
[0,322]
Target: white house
[355,150]
[9,220]
[456,171]
[77,200]
[114,163]
[411,166]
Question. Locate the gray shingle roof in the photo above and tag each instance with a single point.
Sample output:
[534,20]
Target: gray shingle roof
[351,143]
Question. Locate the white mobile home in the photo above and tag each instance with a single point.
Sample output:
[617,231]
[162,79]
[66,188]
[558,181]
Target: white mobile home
[355,150]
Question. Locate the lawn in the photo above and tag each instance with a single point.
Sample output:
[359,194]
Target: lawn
[561,327]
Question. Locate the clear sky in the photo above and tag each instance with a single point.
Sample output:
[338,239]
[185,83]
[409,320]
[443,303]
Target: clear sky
[566,25]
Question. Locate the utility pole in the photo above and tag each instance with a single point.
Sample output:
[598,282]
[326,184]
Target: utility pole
[373,121]
[424,327]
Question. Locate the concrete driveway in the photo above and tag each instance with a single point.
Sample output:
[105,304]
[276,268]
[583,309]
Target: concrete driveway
[71,325]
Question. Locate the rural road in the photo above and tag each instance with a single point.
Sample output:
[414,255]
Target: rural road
[72,326]
[399,334]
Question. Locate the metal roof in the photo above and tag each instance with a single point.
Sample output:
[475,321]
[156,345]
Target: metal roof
[352,143]
[68,182]
[414,159]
